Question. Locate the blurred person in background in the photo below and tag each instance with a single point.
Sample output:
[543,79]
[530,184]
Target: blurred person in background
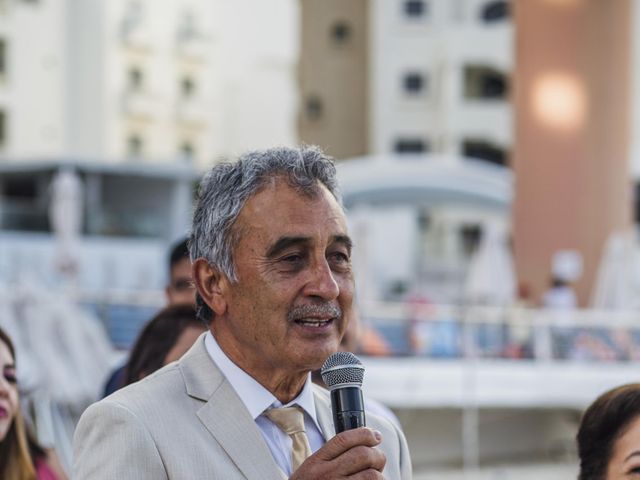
[560,295]
[560,301]
[21,458]
[165,339]
[179,291]
[608,438]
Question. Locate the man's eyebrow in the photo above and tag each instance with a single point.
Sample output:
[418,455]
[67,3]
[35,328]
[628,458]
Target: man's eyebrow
[285,242]
[345,240]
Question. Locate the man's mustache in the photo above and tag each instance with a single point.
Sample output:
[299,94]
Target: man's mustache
[325,309]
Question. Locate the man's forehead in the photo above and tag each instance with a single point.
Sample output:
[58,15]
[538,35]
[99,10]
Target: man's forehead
[281,211]
[280,198]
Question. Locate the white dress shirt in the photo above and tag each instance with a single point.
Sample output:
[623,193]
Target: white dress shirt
[257,399]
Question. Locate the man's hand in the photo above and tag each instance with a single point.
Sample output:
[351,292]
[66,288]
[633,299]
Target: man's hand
[349,454]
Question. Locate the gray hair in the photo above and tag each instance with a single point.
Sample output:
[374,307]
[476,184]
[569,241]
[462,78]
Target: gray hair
[225,189]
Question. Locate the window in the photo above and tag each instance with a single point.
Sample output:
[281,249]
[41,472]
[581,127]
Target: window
[3,128]
[495,11]
[414,83]
[483,150]
[340,33]
[637,203]
[26,205]
[187,26]
[132,18]
[313,108]
[410,145]
[135,79]
[482,82]
[187,152]
[20,188]
[470,236]
[414,8]
[187,87]
[134,146]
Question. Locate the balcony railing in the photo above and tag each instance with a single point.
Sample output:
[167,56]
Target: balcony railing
[477,332]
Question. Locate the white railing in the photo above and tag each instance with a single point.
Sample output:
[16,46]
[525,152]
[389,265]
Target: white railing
[514,333]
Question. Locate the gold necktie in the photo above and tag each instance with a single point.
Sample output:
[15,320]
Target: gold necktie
[291,421]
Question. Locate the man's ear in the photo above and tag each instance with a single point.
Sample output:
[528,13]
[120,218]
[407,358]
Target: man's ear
[210,283]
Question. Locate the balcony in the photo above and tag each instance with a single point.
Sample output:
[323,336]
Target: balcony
[192,113]
[139,105]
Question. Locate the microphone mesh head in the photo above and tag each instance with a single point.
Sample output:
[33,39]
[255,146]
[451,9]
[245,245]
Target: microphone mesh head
[342,368]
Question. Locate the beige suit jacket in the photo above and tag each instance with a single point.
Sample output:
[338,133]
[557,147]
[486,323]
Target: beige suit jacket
[187,422]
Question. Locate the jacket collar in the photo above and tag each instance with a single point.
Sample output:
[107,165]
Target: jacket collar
[225,416]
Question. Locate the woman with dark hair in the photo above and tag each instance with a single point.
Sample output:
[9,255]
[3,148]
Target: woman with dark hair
[609,436]
[165,338]
[21,458]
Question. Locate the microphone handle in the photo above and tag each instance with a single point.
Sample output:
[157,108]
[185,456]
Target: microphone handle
[348,408]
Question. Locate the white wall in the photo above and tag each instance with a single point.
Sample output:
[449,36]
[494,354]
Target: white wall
[104,263]
[256,58]
[33,92]
[64,93]
[385,248]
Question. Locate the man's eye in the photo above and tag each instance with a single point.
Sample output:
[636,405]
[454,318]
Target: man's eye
[340,257]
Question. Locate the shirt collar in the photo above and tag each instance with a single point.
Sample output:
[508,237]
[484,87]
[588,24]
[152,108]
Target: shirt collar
[254,396]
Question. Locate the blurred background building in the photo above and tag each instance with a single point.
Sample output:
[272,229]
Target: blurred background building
[141,81]
[485,148]
[380,77]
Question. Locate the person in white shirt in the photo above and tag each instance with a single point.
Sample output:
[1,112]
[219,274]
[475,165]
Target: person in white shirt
[272,265]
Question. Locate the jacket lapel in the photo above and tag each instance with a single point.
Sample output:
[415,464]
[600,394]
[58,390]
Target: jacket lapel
[225,416]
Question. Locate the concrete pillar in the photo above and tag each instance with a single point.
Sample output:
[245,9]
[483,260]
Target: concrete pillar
[572,97]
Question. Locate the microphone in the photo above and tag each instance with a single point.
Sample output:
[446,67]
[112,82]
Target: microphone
[343,373]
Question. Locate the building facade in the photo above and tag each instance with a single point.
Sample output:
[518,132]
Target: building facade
[422,76]
[146,81]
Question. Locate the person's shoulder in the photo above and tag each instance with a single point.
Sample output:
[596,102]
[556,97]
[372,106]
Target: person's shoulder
[49,467]
[150,390]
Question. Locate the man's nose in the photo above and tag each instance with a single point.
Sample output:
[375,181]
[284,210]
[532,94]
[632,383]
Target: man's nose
[322,282]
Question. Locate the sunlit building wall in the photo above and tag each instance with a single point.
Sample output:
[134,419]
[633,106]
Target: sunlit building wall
[146,81]
[573,186]
[256,48]
[32,78]
[333,76]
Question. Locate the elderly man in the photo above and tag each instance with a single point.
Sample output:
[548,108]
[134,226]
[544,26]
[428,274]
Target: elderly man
[271,262]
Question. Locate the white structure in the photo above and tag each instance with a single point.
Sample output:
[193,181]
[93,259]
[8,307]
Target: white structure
[143,79]
[439,76]
[416,220]
[129,216]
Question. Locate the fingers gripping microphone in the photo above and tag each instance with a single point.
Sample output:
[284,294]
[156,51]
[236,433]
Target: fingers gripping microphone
[343,373]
